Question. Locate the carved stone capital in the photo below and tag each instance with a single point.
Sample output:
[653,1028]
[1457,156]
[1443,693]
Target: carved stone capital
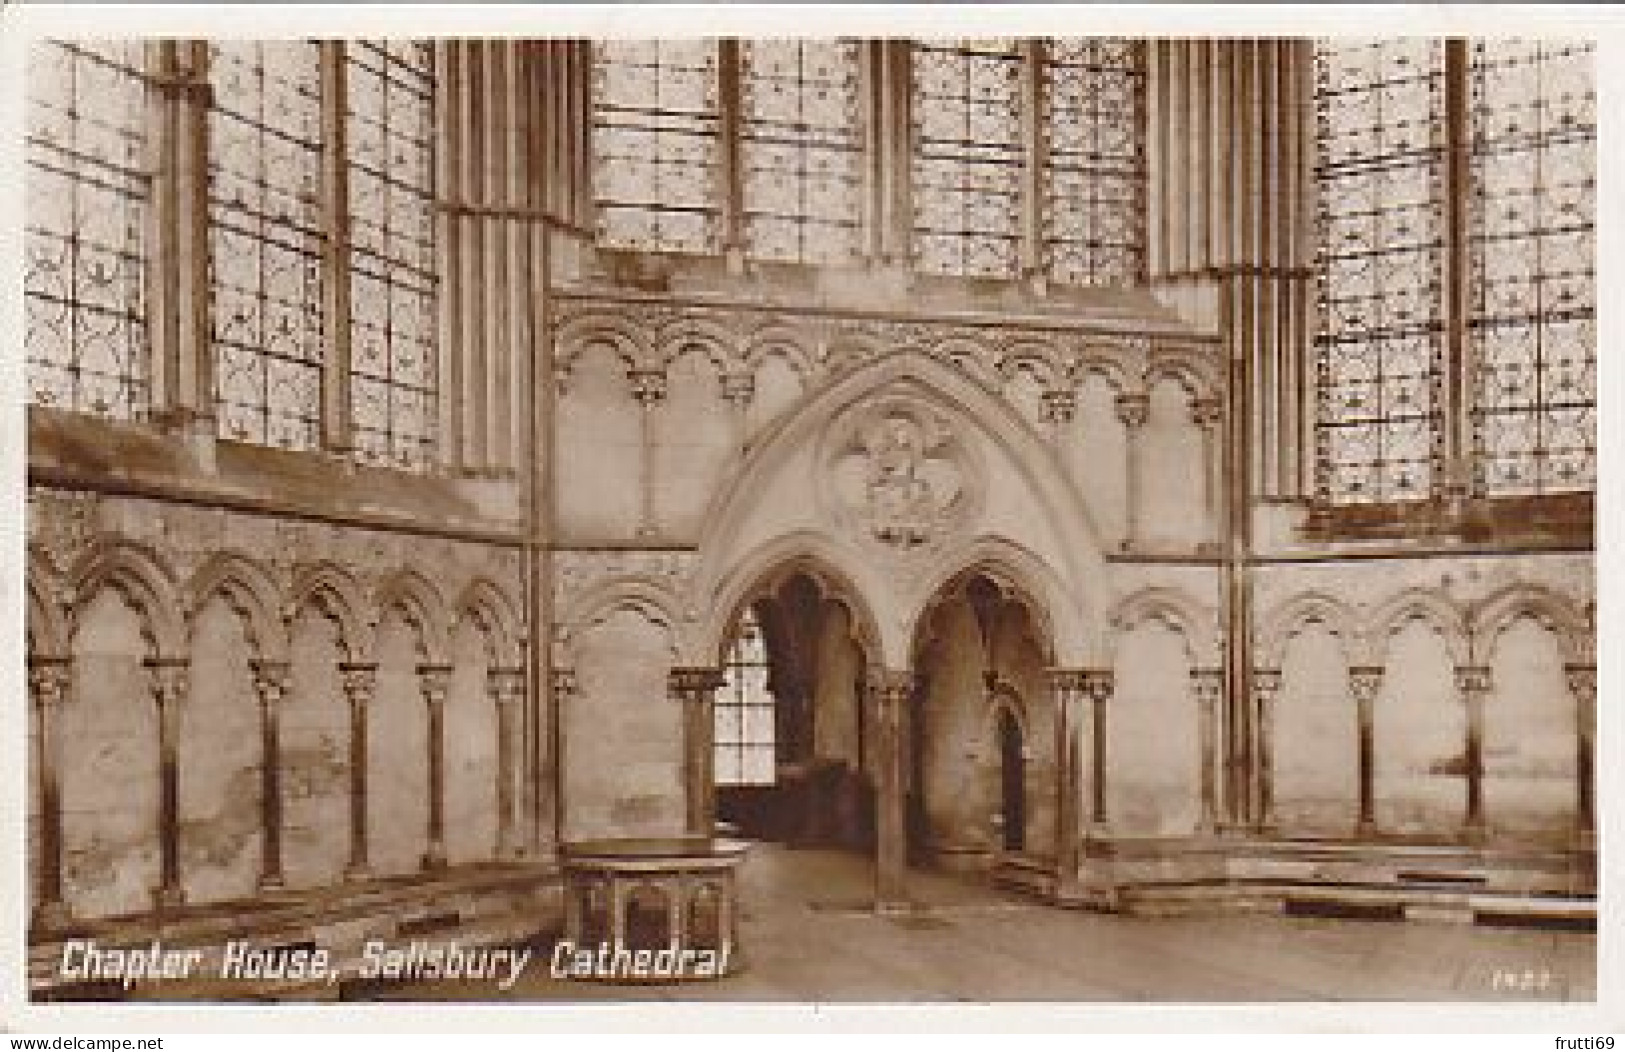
[506,686]
[648,385]
[738,389]
[1207,412]
[694,684]
[891,687]
[1582,680]
[1098,684]
[48,680]
[434,681]
[360,683]
[271,682]
[1472,679]
[1059,406]
[1069,682]
[563,682]
[1133,408]
[1266,682]
[167,678]
[1208,684]
[1365,681]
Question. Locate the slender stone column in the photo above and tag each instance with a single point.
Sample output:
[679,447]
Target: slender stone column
[696,689]
[434,681]
[49,680]
[1473,682]
[1067,687]
[360,686]
[1583,685]
[506,688]
[1209,687]
[271,687]
[562,686]
[1365,681]
[1098,685]
[1208,414]
[1266,688]
[167,678]
[1133,409]
[649,390]
[892,691]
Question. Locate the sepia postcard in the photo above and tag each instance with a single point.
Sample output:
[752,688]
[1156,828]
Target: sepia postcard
[1083,512]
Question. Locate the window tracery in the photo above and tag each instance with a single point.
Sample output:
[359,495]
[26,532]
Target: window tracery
[744,712]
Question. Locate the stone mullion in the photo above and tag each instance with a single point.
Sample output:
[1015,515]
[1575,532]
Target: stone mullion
[1133,410]
[1034,266]
[1364,683]
[1266,687]
[168,680]
[1582,681]
[271,688]
[695,689]
[1209,688]
[1473,683]
[337,425]
[506,688]
[892,691]
[433,682]
[49,681]
[730,117]
[360,689]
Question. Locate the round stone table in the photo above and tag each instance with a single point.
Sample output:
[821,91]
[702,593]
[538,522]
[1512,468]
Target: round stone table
[650,909]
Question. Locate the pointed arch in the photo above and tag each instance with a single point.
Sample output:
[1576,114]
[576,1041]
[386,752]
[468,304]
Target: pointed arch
[1190,368]
[1424,604]
[1551,609]
[332,592]
[252,595]
[687,335]
[140,577]
[1034,357]
[1177,609]
[49,628]
[1066,636]
[782,340]
[495,614]
[1291,617]
[423,607]
[1105,362]
[602,329]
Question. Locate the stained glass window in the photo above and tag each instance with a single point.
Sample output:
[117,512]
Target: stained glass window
[801,150]
[969,157]
[87,198]
[266,239]
[744,724]
[389,136]
[1532,308]
[656,145]
[1094,135]
[1380,113]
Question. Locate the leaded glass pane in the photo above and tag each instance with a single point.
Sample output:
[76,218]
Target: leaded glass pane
[656,145]
[266,240]
[85,253]
[1380,120]
[801,150]
[968,157]
[1094,129]
[390,145]
[743,733]
[1531,242]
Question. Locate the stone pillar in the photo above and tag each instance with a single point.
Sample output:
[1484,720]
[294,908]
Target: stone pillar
[271,687]
[1133,409]
[562,686]
[892,691]
[1364,683]
[1098,685]
[167,678]
[1473,683]
[1208,684]
[1208,414]
[506,688]
[1067,687]
[360,686]
[695,689]
[1583,686]
[434,681]
[1266,688]
[49,680]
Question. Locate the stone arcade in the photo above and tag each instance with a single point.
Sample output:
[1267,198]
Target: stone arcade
[1134,472]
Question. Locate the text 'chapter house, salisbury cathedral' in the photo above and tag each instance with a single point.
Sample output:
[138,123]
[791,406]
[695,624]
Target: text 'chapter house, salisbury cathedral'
[1068,518]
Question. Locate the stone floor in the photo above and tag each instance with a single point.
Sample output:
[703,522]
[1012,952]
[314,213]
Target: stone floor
[808,935]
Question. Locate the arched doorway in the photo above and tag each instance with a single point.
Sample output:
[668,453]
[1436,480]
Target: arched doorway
[980,750]
[793,754]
